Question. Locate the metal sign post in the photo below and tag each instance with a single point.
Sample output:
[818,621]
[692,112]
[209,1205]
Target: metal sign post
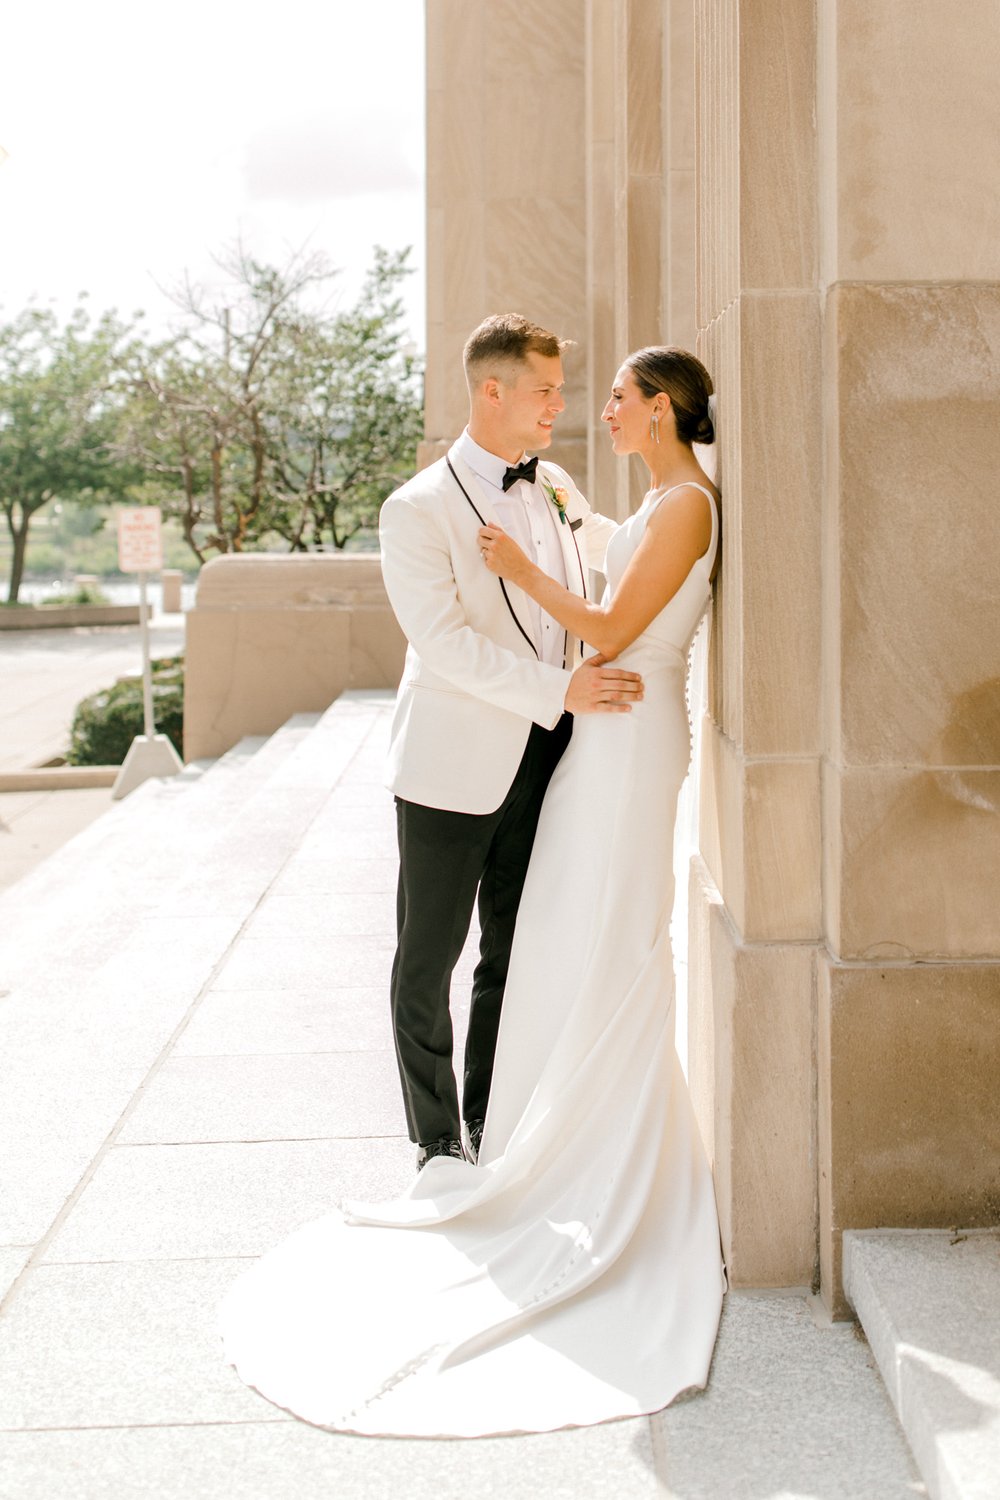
[140,550]
[148,727]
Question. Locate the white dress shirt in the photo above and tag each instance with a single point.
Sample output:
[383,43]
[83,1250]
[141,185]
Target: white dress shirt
[528,515]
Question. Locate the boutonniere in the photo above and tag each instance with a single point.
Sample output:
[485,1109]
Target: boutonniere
[558,496]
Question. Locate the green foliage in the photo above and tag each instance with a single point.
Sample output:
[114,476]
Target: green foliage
[348,416]
[59,547]
[86,593]
[59,404]
[106,723]
[272,416]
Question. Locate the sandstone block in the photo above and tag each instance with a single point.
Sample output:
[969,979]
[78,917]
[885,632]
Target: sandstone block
[909,1134]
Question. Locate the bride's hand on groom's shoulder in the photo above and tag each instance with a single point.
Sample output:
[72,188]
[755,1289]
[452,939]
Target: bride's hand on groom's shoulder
[598,689]
[501,554]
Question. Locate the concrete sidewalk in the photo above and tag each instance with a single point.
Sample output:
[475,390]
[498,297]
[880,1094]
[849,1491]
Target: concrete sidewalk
[199,1060]
[44,674]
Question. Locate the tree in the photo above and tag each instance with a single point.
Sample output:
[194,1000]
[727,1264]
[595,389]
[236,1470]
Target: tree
[58,410]
[349,417]
[269,415]
[196,423]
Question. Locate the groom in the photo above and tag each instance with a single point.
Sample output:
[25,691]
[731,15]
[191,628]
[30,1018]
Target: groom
[483,711]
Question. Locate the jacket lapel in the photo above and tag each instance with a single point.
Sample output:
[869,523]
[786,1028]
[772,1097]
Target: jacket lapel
[481,512]
[576,572]
[476,497]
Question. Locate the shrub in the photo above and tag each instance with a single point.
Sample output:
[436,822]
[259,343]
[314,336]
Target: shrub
[85,593]
[106,723]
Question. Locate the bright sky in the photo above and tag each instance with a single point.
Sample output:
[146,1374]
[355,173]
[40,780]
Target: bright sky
[141,138]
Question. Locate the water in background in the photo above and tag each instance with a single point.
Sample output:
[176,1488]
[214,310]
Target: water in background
[117,592]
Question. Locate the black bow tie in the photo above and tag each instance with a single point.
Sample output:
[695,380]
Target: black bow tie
[520,471]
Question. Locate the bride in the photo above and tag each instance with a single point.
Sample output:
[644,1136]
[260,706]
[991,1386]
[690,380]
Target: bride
[574,1273]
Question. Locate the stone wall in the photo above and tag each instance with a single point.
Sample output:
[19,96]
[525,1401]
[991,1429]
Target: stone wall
[551,130]
[848,306]
[272,635]
[909,978]
[806,192]
[506,226]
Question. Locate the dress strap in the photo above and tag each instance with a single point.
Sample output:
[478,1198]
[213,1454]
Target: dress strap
[693,485]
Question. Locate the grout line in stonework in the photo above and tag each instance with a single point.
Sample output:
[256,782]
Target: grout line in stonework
[810,757]
[876,961]
[157,1426]
[151,1260]
[41,1247]
[154,1260]
[933,769]
[659,1449]
[256,1140]
[293,1052]
[880,962]
[777,291]
[955,284]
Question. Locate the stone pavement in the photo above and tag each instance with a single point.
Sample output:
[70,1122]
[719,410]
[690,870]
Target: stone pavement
[44,674]
[197,1059]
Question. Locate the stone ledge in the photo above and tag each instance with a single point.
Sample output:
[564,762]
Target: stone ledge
[57,778]
[929,1303]
[39,617]
[275,634]
[291,580]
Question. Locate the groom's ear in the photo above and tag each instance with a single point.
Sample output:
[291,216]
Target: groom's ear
[492,389]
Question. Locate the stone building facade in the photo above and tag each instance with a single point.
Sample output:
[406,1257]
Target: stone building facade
[806,193]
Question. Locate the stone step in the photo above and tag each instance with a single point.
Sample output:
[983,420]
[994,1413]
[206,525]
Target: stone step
[929,1303]
[89,893]
[80,1037]
[151,806]
[274,818]
[148,1159]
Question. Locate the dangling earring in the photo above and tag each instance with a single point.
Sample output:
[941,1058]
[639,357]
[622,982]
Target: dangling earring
[654,428]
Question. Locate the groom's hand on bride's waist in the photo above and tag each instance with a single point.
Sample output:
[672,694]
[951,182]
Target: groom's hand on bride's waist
[598,689]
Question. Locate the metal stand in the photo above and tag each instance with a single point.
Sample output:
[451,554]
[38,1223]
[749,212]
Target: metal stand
[150,754]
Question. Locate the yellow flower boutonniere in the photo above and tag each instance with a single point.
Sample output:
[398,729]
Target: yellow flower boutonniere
[558,496]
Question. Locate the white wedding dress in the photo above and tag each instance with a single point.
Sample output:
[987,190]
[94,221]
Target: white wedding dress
[574,1275]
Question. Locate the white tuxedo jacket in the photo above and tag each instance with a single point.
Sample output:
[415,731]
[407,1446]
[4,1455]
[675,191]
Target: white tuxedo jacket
[472,683]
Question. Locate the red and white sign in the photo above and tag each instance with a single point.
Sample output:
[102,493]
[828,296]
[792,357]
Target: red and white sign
[140,540]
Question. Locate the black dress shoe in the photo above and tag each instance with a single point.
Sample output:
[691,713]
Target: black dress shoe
[474,1132]
[446,1146]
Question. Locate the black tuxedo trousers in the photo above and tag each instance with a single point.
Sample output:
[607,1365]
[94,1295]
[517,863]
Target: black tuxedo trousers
[445,859]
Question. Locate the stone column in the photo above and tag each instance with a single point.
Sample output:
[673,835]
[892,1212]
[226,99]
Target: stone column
[678,232]
[560,158]
[506,195]
[845,928]
[909,978]
[756,911]
[635,221]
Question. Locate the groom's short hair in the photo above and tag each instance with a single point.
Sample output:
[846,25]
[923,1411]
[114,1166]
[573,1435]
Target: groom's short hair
[503,342]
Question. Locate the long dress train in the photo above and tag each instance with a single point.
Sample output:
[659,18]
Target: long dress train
[575,1274]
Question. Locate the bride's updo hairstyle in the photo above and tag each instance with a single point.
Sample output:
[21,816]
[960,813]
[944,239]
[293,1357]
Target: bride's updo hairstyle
[685,380]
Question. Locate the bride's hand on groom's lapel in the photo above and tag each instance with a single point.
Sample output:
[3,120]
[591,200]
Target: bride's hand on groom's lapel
[502,555]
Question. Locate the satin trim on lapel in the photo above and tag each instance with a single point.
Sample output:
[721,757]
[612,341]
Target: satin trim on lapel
[576,577]
[483,522]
